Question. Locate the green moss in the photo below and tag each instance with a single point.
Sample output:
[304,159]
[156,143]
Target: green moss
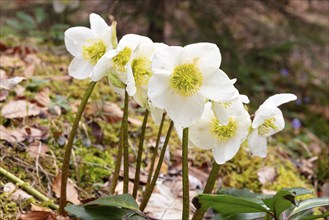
[8,208]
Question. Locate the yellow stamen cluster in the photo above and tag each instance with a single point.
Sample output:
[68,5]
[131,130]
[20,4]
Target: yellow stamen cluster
[186,79]
[266,127]
[223,132]
[94,52]
[142,70]
[121,59]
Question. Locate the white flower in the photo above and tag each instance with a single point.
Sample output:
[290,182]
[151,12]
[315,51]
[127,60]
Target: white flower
[268,121]
[116,64]
[223,110]
[61,5]
[88,45]
[224,140]
[184,78]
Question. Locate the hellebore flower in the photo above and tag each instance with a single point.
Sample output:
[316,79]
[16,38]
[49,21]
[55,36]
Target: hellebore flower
[224,140]
[89,45]
[268,121]
[184,78]
[116,64]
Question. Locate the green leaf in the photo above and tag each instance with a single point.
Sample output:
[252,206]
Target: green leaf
[27,20]
[40,15]
[280,202]
[309,204]
[311,217]
[244,193]
[101,213]
[14,23]
[227,204]
[245,216]
[299,191]
[121,201]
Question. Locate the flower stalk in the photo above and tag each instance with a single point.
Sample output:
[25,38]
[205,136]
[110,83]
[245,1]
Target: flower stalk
[68,149]
[186,196]
[149,188]
[117,163]
[139,155]
[125,145]
[198,215]
[155,151]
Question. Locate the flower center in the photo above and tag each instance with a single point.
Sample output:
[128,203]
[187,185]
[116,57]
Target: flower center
[223,132]
[142,70]
[266,127]
[186,79]
[94,52]
[121,59]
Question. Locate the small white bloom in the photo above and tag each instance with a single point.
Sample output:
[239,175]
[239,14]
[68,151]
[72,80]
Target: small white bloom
[88,45]
[184,78]
[268,121]
[117,65]
[223,110]
[60,5]
[224,140]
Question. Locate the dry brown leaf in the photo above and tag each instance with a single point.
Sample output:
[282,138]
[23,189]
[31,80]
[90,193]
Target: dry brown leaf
[266,175]
[11,61]
[12,136]
[10,83]
[29,70]
[20,109]
[42,98]
[71,192]
[37,215]
[3,74]
[37,149]
[111,111]
[20,91]
[3,95]
[33,133]
[32,59]
[35,207]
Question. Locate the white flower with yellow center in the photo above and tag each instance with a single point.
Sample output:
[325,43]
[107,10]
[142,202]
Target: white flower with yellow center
[184,78]
[89,45]
[268,121]
[223,110]
[211,133]
[117,65]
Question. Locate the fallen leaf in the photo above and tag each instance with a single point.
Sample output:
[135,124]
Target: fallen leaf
[12,136]
[42,98]
[11,61]
[3,95]
[20,109]
[33,133]
[266,174]
[20,91]
[37,215]
[35,207]
[10,83]
[37,149]
[29,70]
[71,192]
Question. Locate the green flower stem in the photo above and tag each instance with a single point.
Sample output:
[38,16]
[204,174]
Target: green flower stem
[155,151]
[68,150]
[186,192]
[198,215]
[149,188]
[28,188]
[139,155]
[117,163]
[125,146]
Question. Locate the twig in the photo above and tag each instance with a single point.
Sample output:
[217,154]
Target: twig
[28,188]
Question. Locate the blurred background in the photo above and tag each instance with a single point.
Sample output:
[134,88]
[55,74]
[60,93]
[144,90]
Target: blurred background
[270,46]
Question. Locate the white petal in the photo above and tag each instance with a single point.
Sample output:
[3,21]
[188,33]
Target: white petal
[199,133]
[131,88]
[257,144]
[158,91]
[217,86]
[224,110]
[102,66]
[207,55]
[243,125]
[141,97]
[80,68]
[244,99]
[156,114]
[132,41]
[225,151]
[184,111]
[76,38]
[165,60]
[264,112]
[278,123]
[280,99]
[106,37]
[97,24]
